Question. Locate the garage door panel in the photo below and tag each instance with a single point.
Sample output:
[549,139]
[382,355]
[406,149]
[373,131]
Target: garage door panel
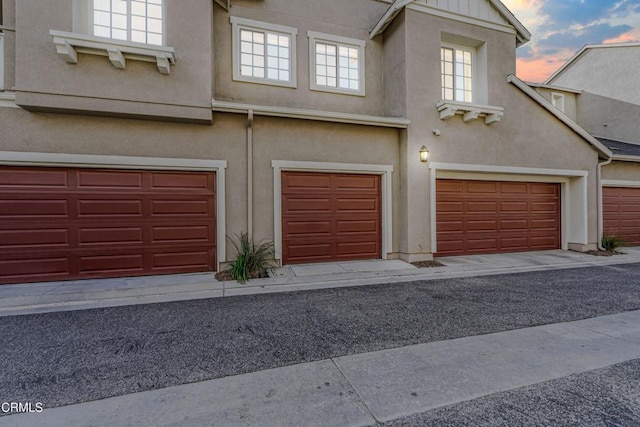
[357,226]
[22,208]
[304,182]
[338,217]
[361,205]
[105,223]
[502,221]
[481,187]
[33,178]
[356,182]
[110,235]
[90,179]
[111,264]
[27,237]
[308,204]
[110,207]
[17,270]
[169,181]
[356,249]
[621,207]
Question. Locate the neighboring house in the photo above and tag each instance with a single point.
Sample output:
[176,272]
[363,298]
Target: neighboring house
[138,134]
[604,99]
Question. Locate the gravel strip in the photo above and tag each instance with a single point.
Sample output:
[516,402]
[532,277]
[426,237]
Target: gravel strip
[70,357]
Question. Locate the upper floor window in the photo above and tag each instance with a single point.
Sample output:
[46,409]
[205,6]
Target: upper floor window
[263,53]
[139,21]
[336,64]
[457,73]
[557,100]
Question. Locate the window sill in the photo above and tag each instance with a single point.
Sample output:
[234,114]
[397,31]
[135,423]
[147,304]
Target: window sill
[68,45]
[340,91]
[470,112]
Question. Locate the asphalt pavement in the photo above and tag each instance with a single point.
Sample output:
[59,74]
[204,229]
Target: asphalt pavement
[70,357]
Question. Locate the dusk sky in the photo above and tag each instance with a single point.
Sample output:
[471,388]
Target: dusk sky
[562,27]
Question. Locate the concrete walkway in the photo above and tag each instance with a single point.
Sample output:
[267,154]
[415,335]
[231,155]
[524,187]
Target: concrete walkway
[363,389]
[85,294]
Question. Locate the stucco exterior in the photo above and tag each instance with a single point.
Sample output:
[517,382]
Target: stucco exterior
[198,110]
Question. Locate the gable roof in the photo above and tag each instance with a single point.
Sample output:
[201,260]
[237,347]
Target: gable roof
[584,50]
[522,34]
[597,145]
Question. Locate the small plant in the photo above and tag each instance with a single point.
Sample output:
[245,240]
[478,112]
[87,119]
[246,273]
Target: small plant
[252,259]
[611,242]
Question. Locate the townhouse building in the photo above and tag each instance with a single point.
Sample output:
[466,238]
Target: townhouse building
[137,135]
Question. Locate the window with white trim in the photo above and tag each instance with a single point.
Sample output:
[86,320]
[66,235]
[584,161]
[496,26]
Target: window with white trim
[139,21]
[263,53]
[457,73]
[336,64]
[557,100]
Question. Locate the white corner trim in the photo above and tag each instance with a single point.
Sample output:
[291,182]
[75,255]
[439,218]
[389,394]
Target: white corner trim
[449,109]
[560,115]
[68,45]
[620,183]
[16,158]
[337,41]
[387,197]
[239,23]
[297,113]
[8,100]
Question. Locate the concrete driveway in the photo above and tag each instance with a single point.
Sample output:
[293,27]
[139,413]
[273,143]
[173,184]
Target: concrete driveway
[84,294]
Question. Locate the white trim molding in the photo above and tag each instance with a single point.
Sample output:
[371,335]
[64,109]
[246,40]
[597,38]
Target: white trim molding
[16,158]
[620,183]
[573,193]
[469,112]
[8,99]
[337,42]
[68,45]
[238,24]
[385,171]
[298,113]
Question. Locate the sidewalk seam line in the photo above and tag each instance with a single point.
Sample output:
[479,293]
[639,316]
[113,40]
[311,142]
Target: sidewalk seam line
[360,399]
[607,335]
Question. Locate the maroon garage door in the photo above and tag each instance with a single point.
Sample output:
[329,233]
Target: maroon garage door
[65,223]
[330,217]
[621,208]
[480,217]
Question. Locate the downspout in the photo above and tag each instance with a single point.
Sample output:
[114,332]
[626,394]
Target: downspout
[250,172]
[600,210]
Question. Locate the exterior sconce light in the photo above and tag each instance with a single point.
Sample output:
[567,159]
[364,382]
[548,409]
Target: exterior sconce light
[424,154]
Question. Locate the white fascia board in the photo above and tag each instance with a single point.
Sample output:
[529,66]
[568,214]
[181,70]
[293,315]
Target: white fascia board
[388,17]
[296,113]
[523,34]
[554,87]
[560,115]
[626,158]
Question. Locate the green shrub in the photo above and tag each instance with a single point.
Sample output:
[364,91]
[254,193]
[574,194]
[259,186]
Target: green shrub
[252,259]
[611,242]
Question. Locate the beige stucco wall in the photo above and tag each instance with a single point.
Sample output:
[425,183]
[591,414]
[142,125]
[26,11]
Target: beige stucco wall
[604,72]
[8,18]
[354,20]
[622,171]
[140,89]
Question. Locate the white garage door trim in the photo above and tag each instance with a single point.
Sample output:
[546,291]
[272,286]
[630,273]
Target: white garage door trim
[16,158]
[286,165]
[620,183]
[573,193]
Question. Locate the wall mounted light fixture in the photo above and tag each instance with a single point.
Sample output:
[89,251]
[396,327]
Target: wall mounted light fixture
[424,154]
